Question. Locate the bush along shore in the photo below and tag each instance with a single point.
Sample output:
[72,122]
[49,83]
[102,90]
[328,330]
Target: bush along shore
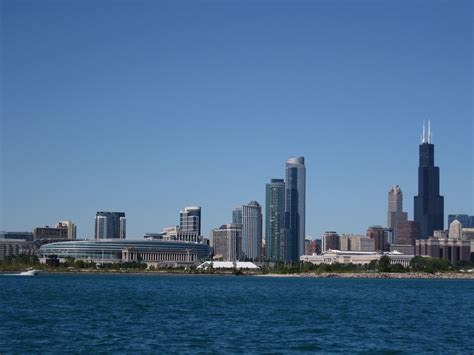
[420,268]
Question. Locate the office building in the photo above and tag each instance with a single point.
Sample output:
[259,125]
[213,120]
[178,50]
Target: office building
[428,205]
[330,241]
[59,232]
[295,207]
[465,220]
[408,232]
[379,236]
[190,219]
[71,229]
[455,230]
[274,219]
[13,247]
[356,243]
[28,236]
[226,242]
[395,212]
[252,230]
[237,215]
[110,225]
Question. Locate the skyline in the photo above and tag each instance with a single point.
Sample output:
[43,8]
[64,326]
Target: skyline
[180,114]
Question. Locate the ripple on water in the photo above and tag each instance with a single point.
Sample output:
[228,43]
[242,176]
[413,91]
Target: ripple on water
[189,314]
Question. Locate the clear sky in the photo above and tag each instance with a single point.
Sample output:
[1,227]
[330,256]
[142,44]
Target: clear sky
[149,106]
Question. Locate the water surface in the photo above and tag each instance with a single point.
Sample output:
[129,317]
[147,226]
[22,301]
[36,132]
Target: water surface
[197,313]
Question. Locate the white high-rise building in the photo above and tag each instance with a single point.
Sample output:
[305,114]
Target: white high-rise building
[101,227]
[123,227]
[455,230]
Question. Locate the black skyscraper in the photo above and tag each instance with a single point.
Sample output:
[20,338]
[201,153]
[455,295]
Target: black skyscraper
[429,205]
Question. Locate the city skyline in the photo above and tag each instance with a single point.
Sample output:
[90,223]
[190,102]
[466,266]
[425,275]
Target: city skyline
[95,129]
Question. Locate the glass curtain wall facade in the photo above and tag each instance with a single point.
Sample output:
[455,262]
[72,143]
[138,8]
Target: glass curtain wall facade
[295,208]
[274,218]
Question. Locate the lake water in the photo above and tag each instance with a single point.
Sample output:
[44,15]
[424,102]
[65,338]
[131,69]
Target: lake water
[224,314]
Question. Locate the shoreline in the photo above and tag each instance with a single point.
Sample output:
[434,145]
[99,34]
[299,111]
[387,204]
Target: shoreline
[378,275]
[326,275]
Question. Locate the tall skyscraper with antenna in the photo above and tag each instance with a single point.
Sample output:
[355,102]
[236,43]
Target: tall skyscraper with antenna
[428,205]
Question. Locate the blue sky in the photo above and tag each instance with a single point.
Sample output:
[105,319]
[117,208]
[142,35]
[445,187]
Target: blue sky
[149,106]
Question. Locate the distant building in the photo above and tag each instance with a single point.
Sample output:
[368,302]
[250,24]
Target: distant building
[440,234]
[395,213]
[429,204]
[227,242]
[110,225]
[453,250]
[406,249]
[49,233]
[190,219]
[252,230]
[408,232]
[356,258]
[274,219]
[378,234]
[313,247]
[28,236]
[71,229]
[356,243]
[13,247]
[330,241]
[175,233]
[295,208]
[153,253]
[466,220]
[455,230]
[468,233]
[237,215]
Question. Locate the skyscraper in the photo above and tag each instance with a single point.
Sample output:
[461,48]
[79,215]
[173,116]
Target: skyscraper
[252,230]
[395,213]
[190,219]
[330,241]
[226,242]
[428,205]
[378,234]
[274,218]
[237,215]
[295,207]
[110,225]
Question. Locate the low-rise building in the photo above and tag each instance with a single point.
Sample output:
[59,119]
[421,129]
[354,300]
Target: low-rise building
[151,252]
[453,250]
[356,257]
[28,236]
[13,247]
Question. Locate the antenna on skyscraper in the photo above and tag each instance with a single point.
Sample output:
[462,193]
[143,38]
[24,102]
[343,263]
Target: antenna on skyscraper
[429,131]
[423,135]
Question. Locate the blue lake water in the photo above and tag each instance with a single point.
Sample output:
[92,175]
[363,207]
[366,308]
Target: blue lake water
[151,313]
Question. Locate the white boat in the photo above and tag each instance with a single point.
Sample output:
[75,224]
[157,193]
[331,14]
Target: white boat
[30,272]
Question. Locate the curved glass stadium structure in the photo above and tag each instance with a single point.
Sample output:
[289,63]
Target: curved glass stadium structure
[116,251]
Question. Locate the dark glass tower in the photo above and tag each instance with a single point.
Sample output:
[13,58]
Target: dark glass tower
[295,205]
[274,219]
[429,205]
